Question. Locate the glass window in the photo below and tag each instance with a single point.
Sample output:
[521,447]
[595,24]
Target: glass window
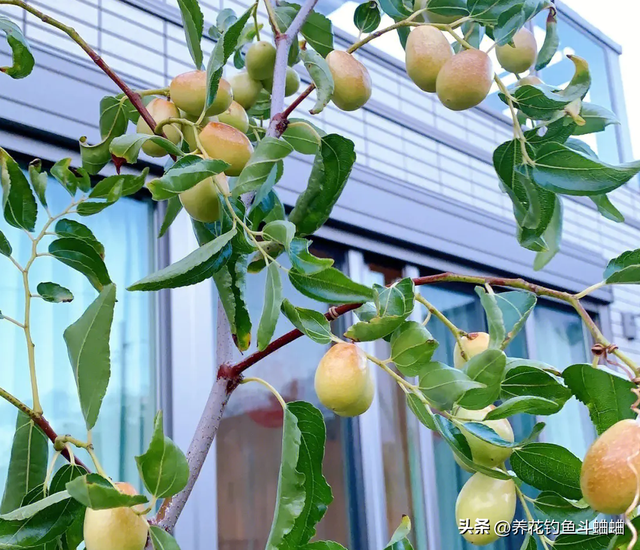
[124,427]
[250,438]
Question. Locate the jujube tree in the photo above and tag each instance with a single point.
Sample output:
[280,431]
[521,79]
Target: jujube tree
[224,142]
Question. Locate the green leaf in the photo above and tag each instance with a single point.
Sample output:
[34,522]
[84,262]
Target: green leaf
[551,42]
[303,137]
[97,493]
[529,381]
[88,344]
[591,541]
[71,178]
[317,29]
[73,229]
[328,177]
[291,494]
[597,119]
[193,23]
[460,447]
[516,306]
[5,246]
[548,467]
[162,540]
[607,208]
[317,493]
[198,266]
[322,77]
[412,347]
[64,475]
[323,545]
[27,464]
[625,269]
[174,207]
[401,533]
[367,16]
[487,368]
[54,293]
[303,261]
[271,309]
[222,51]
[397,9]
[47,520]
[563,170]
[113,123]
[330,286]
[444,386]
[280,231]
[484,432]
[422,413]
[268,152]
[449,8]
[311,323]
[557,508]
[39,180]
[19,204]
[488,11]
[128,146]
[552,238]
[187,172]
[231,284]
[122,185]
[163,467]
[83,257]
[495,320]
[529,543]
[22,58]
[524,404]
[608,397]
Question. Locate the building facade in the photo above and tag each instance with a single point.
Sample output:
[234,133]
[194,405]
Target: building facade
[423,198]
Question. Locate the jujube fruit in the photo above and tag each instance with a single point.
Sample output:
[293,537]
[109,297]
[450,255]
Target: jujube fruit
[343,380]
[291,84]
[352,82]
[260,60]
[473,344]
[227,143]
[607,480]
[115,528]
[484,453]
[522,55]
[189,93]
[246,90]
[483,497]
[465,80]
[426,52]
[202,202]
[160,109]
[235,116]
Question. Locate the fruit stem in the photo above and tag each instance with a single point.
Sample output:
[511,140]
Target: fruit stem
[527,512]
[269,387]
[517,129]
[589,290]
[256,25]
[457,333]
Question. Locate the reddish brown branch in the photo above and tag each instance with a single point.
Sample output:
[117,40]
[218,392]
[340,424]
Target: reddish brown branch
[297,101]
[44,425]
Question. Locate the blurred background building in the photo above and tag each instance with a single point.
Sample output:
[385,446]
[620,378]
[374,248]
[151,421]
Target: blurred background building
[423,198]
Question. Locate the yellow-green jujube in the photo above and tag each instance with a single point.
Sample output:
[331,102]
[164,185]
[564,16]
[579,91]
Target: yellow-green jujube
[202,202]
[484,453]
[483,497]
[522,55]
[246,90]
[351,79]
[465,80]
[235,116]
[291,84]
[473,344]
[160,109]
[115,528]
[344,381]
[260,60]
[189,92]
[426,52]
[607,479]
[227,143]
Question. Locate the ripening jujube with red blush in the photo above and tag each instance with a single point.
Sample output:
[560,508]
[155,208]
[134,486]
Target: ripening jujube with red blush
[160,110]
[426,53]
[235,116]
[520,56]
[352,82]
[465,80]
[224,142]
[189,93]
[202,201]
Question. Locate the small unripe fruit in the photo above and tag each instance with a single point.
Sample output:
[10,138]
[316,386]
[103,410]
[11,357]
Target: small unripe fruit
[482,452]
[352,82]
[160,109]
[260,60]
[522,55]
[115,528]
[202,202]
[465,80]
[245,89]
[235,116]
[189,93]
[473,344]
[607,478]
[227,143]
[291,85]
[484,497]
[343,381]
[426,52]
